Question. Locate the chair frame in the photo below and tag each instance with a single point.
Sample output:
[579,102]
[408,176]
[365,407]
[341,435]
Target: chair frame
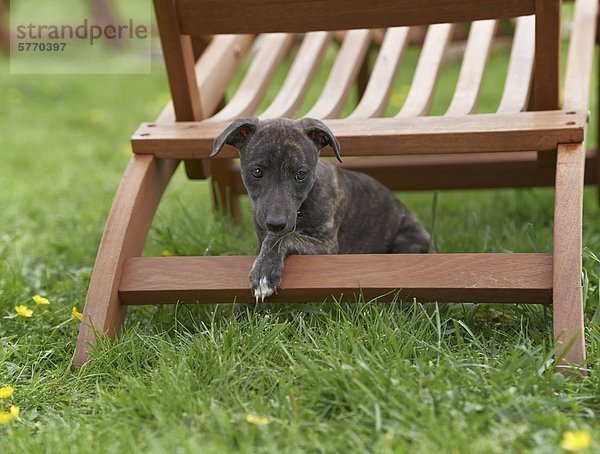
[488,150]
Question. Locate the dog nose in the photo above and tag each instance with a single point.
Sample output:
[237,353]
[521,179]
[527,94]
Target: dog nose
[276,225]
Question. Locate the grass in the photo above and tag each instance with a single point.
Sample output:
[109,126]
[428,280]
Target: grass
[328,377]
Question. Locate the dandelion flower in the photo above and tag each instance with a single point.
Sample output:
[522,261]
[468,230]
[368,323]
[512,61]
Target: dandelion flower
[23,311]
[257,420]
[165,253]
[75,313]
[6,392]
[575,441]
[40,300]
[6,417]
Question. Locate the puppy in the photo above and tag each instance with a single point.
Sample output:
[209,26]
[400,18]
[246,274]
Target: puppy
[304,205]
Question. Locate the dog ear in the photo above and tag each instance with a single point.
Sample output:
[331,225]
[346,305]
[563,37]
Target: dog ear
[320,135]
[237,134]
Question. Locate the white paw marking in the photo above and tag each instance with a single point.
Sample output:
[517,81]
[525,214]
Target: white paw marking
[263,290]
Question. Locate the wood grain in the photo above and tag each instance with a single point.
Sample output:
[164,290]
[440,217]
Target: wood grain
[470,78]
[342,75]
[379,87]
[456,171]
[427,71]
[427,277]
[387,136]
[568,221]
[217,66]
[273,49]
[298,79]
[260,16]
[220,52]
[520,67]
[461,171]
[546,84]
[546,70]
[580,57]
[179,60]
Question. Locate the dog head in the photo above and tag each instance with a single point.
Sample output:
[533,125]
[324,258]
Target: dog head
[278,160]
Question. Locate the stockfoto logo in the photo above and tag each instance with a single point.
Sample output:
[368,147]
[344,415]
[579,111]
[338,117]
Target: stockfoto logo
[85,31]
[72,37]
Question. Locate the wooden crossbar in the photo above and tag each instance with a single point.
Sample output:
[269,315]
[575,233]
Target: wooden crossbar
[386,136]
[251,16]
[428,277]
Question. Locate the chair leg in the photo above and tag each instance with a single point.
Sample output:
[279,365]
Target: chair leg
[124,236]
[568,217]
[225,199]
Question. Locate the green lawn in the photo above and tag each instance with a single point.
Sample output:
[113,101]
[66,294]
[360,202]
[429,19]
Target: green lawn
[315,377]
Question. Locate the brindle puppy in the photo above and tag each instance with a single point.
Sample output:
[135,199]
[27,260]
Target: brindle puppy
[303,205]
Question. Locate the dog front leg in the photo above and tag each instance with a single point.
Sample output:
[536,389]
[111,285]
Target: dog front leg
[267,271]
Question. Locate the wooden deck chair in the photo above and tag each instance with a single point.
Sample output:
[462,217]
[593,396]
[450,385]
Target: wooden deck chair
[412,151]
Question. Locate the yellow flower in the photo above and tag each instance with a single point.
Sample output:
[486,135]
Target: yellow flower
[165,253]
[6,392]
[78,315]
[40,299]
[575,441]
[8,416]
[23,311]
[257,420]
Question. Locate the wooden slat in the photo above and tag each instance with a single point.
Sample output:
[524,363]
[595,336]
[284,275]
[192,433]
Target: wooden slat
[547,55]
[426,277]
[298,79]
[260,16]
[379,87]
[213,72]
[426,74]
[546,71]
[520,67]
[568,223]
[343,73]
[479,44]
[273,49]
[581,55]
[218,67]
[388,136]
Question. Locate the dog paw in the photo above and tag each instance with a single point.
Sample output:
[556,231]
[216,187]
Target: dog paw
[263,289]
[265,278]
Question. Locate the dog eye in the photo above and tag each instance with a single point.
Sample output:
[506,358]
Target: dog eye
[300,175]
[257,173]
